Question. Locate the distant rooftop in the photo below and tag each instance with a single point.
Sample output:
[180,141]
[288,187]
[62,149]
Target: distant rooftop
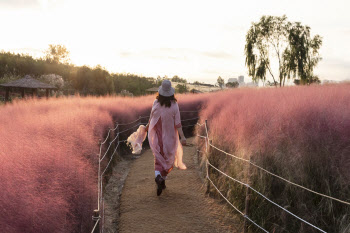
[28,82]
[231,80]
[152,89]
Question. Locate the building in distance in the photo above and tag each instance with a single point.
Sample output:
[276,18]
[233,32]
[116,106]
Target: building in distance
[232,80]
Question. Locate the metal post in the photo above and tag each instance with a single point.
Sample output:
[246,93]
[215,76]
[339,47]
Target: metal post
[118,137]
[140,121]
[99,177]
[95,218]
[103,215]
[207,152]
[109,141]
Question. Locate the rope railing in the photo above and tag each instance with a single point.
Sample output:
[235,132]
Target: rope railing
[100,175]
[240,212]
[277,176]
[141,117]
[251,188]
[110,159]
[93,229]
[125,130]
[208,177]
[100,206]
[208,143]
[110,144]
[240,182]
[109,131]
[196,118]
[185,126]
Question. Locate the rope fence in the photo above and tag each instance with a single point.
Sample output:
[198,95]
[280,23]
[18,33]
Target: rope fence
[208,142]
[248,186]
[208,164]
[96,224]
[288,181]
[100,219]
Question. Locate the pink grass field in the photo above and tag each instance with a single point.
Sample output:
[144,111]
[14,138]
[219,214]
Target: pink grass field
[49,156]
[300,133]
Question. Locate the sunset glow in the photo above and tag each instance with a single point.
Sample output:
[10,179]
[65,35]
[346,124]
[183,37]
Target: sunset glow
[197,40]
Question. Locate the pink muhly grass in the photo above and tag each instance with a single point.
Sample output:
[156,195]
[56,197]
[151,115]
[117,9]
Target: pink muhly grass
[49,156]
[300,133]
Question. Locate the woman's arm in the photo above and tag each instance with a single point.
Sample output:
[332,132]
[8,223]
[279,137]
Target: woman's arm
[178,125]
[151,115]
[182,136]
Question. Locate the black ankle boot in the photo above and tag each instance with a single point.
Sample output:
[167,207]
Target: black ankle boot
[160,181]
[163,184]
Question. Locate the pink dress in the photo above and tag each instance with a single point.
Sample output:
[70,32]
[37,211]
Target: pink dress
[164,138]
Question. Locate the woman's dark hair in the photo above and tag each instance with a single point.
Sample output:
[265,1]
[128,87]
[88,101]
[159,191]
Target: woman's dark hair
[165,100]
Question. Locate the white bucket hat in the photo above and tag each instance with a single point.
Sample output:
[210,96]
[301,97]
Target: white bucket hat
[166,89]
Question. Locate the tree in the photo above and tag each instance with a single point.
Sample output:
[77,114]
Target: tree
[159,80]
[304,53]
[135,84]
[57,54]
[181,88]
[53,79]
[178,79]
[291,43]
[220,82]
[69,78]
[234,84]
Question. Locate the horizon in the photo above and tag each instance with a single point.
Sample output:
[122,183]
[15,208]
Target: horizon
[198,42]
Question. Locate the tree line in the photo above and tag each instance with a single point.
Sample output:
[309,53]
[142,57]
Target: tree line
[82,79]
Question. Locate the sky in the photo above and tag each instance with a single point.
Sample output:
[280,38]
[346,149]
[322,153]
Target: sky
[196,40]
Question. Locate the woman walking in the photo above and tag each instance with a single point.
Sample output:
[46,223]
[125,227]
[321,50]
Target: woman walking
[164,128]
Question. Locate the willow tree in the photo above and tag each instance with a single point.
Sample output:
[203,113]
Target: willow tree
[290,43]
[304,55]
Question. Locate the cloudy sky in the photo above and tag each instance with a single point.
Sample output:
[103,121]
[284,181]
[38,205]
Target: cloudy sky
[197,40]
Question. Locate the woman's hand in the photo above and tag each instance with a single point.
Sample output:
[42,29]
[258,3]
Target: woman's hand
[182,136]
[147,126]
[183,141]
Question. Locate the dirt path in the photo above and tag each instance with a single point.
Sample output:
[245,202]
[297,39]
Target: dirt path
[182,207]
